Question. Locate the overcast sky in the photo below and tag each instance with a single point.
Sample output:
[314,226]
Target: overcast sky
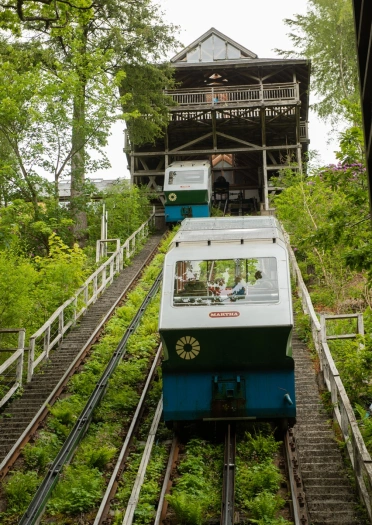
[256,25]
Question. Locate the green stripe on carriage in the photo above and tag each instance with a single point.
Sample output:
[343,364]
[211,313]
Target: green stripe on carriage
[186,197]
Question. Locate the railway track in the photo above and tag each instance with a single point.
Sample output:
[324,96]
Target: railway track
[228,516]
[322,487]
[20,420]
[39,501]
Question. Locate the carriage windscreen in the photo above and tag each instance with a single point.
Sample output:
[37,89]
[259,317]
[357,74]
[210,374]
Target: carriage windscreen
[220,282]
[186,177]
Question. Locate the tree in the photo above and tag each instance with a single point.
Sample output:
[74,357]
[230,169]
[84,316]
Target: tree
[326,36]
[87,54]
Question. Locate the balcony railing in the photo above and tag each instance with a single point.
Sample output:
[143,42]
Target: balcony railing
[236,95]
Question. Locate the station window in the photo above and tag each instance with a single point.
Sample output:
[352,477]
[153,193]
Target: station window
[213,48]
[225,281]
[186,177]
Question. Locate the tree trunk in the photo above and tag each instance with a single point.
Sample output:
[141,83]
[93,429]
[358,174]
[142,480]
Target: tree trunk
[78,159]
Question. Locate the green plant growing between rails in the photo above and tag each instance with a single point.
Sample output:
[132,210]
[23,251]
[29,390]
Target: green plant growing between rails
[258,479]
[195,497]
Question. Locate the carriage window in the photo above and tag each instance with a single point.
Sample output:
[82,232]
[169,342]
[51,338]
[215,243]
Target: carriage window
[222,282]
[186,177]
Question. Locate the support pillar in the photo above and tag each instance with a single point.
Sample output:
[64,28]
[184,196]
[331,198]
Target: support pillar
[264,160]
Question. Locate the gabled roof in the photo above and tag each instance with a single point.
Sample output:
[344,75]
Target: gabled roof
[244,52]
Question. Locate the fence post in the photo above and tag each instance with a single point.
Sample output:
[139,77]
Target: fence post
[47,342]
[61,326]
[21,344]
[31,357]
[360,324]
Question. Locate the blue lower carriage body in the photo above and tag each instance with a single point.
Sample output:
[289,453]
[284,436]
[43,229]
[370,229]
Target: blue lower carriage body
[178,213]
[257,394]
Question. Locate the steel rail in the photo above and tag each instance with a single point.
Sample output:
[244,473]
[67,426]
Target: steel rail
[167,483]
[104,508]
[298,503]
[31,428]
[38,503]
[134,497]
[228,490]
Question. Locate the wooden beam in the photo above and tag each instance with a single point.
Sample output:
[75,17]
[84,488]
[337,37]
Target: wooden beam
[265,186]
[195,141]
[220,150]
[147,173]
[214,129]
[235,139]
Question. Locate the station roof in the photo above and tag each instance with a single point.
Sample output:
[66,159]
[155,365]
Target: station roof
[216,59]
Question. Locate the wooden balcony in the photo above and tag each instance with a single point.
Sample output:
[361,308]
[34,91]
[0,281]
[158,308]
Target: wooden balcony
[235,95]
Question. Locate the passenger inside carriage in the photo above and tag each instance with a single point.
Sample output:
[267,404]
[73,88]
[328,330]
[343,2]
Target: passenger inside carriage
[219,282]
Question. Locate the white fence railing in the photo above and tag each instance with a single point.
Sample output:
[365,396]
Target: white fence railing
[12,369]
[53,330]
[343,413]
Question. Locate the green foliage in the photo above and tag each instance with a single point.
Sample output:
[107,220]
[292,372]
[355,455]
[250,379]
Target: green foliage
[128,207]
[259,446]
[19,490]
[78,491]
[258,479]
[98,457]
[146,111]
[365,425]
[264,506]
[18,278]
[188,509]
[195,497]
[60,274]
[324,216]
[355,367]
[150,491]
[38,456]
[325,35]
[81,487]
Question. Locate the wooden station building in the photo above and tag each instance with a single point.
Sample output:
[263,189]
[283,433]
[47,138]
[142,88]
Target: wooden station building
[247,115]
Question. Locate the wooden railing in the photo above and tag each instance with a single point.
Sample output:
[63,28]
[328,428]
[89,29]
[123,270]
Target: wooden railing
[51,334]
[288,92]
[12,369]
[53,330]
[343,413]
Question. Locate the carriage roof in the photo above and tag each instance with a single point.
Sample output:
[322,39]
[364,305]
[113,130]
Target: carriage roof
[229,229]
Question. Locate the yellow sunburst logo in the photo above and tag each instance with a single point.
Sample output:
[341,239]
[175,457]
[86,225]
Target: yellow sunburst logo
[187,347]
[172,197]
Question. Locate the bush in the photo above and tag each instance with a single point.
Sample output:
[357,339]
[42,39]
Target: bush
[188,509]
[20,489]
[41,453]
[78,491]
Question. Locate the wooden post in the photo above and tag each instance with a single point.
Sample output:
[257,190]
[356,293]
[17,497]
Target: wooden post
[21,345]
[264,159]
[214,129]
[298,139]
[132,166]
[31,357]
[47,342]
[61,325]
